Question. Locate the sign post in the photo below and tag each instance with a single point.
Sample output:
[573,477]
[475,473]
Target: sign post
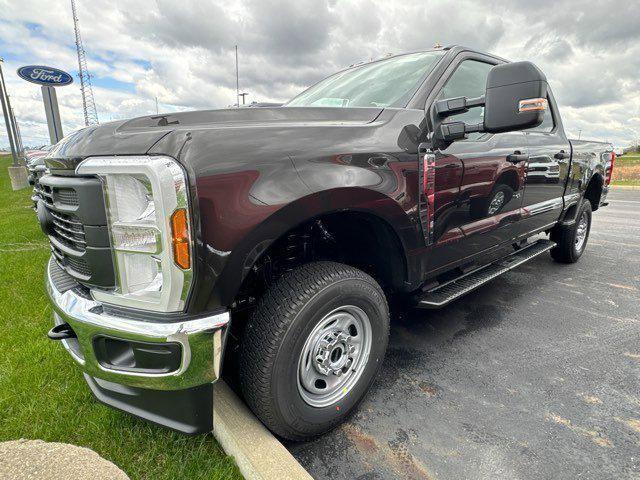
[17,172]
[18,135]
[48,78]
[53,114]
[7,118]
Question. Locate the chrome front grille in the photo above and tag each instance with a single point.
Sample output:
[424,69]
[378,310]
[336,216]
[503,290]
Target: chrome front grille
[44,191]
[67,196]
[72,211]
[62,196]
[69,230]
[62,281]
[79,266]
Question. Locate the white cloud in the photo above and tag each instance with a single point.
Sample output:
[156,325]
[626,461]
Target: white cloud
[182,52]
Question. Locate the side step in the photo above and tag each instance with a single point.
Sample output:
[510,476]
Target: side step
[453,289]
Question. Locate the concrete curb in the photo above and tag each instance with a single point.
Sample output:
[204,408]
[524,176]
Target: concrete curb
[259,455]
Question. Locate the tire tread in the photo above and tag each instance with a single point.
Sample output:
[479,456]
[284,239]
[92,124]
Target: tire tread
[564,251]
[274,314]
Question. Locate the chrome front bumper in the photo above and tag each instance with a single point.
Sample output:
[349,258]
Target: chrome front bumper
[201,341]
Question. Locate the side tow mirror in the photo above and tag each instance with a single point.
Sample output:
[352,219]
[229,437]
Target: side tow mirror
[515,98]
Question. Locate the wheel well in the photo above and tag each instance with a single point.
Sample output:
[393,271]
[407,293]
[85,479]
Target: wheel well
[594,191]
[358,239]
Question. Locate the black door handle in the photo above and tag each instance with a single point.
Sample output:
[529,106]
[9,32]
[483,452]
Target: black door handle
[562,155]
[517,157]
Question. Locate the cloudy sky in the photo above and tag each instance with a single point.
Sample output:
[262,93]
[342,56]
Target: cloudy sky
[181,51]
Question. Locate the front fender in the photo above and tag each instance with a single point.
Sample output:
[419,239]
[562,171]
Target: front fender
[252,183]
[228,269]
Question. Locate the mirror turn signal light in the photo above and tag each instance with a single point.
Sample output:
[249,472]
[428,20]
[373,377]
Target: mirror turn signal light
[532,105]
[180,239]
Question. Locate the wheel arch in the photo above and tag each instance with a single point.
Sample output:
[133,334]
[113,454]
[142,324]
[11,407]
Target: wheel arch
[510,178]
[348,208]
[594,189]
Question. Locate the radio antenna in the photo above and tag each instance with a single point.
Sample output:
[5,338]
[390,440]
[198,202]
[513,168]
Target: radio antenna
[237,81]
[88,103]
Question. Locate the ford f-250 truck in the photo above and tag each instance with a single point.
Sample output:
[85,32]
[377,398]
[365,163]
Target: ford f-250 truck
[277,235]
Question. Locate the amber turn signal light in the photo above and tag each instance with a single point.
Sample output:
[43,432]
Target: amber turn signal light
[180,239]
[532,105]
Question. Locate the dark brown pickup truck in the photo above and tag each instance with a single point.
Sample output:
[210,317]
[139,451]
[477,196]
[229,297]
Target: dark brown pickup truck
[273,237]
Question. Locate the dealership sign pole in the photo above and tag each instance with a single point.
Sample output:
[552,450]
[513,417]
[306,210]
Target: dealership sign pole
[53,114]
[48,78]
[18,135]
[7,118]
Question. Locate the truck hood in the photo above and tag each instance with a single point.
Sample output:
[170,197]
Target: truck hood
[137,136]
[239,117]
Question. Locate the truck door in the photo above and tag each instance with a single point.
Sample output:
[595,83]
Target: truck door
[547,171]
[488,201]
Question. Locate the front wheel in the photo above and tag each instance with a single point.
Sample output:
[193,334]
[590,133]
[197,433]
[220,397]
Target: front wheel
[312,347]
[571,241]
[493,204]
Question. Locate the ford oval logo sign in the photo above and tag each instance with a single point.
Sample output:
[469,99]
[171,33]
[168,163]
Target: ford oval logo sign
[47,76]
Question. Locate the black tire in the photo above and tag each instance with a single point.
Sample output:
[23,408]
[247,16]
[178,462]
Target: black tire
[480,207]
[277,332]
[566,249]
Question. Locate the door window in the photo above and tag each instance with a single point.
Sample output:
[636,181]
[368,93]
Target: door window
[469,80]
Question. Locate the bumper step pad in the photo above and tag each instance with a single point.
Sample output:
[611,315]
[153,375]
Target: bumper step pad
[449,291]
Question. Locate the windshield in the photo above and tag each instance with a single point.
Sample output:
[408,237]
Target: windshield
[386,83]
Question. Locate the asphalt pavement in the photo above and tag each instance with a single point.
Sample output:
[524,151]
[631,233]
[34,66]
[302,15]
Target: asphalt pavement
[534,375]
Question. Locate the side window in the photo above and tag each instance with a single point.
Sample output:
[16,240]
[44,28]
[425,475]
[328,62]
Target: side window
[469,80]
[547,123]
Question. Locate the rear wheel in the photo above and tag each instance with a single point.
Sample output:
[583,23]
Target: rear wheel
[571,241]
[312,347]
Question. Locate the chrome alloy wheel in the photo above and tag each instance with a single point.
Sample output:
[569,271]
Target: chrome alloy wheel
[496,203]
[334,356]
[581,232]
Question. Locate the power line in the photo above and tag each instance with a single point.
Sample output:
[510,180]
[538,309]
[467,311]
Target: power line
[88,103]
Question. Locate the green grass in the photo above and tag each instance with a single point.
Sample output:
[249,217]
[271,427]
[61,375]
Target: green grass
[627,170]
[42,392]
[628,183]
[628,159]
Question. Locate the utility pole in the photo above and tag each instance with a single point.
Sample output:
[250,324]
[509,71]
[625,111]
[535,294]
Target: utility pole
[579,133]
[243,95]
[7,119]
[157,106]
[237,81]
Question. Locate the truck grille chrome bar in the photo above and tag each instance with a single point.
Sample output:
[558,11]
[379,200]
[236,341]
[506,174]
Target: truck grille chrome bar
[72,213]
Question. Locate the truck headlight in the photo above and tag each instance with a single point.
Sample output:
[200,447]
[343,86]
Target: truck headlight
[148,220]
